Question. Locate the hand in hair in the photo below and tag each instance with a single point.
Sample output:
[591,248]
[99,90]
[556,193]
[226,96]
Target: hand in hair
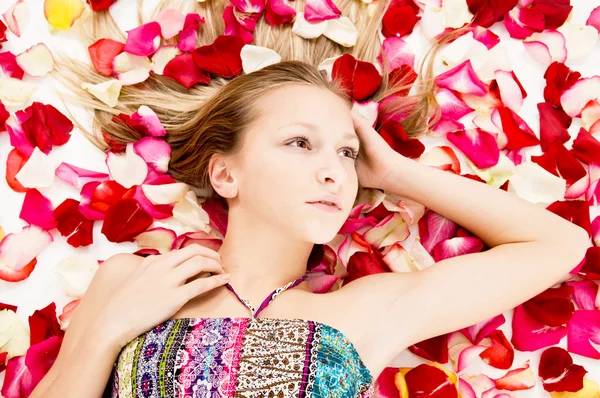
[376,159]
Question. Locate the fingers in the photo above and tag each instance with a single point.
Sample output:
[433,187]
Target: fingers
[202,285]
[194,266]
[176,257]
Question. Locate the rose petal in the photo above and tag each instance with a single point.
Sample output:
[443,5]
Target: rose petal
[580,39]
[128,169]
[77,176]
[342,31]
[234,28]
[124,221]
[161,58]
[75,273]
[164,193]
[594,19]
[583,330]
[479,146]
[8,63]
[107,92]
[14,335]
[143,40]
[156,152]
[131,69]
[188,37]
[146,117]
[38,171]
[62,14]
[184,70]
[190,213]
[306,29]
[37,210]
[99,5]
[44,126]
[278,13]
[546,47]
[102,54]
[18,249]
[14,92]
[579,94]
[256,57]
[72,224]
[36,60]
[463,79]
[16,17]
[320,10]
[171,22]
[360,78]
[156,238]
[222,57]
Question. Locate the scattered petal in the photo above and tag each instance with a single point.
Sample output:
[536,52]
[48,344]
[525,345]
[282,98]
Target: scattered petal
[156,238]
[156,153]
[222,57]
[14,92]
[124,221]
[75,273]
[62,14]
[171,22]
[161,58]
[188,37]
[19,249]
[320,10]
[342,31]
[131,69]
[184,70]
[128,169]
[72,224]
[256,57]
[463,79]
[143,40]
[308,30]
[102,54]
[8,63]
[146,117]
[38,171]
[37,60]
[107,92]
[16,17]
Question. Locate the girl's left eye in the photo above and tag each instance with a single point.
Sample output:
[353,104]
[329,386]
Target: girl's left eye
[353,151]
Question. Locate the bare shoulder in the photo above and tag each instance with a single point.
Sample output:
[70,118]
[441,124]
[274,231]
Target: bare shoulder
[365,304]
[107,278]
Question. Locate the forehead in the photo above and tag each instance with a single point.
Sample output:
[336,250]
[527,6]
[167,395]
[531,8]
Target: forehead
[304,104]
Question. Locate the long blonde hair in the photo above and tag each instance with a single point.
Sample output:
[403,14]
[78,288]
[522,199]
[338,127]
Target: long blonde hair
[209,119]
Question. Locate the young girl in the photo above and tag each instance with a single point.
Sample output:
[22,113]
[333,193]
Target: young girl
[282,151]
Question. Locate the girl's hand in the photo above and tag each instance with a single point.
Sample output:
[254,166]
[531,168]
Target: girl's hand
[159,287]
[376,159]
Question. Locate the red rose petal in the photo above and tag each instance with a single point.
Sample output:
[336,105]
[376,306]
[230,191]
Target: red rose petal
[222,57]
[103,52]
[8,63]
[72,224]
[99,5]
[124,221]
[486,13]
[399,21]
[183,70]
[45,126]
[361,79]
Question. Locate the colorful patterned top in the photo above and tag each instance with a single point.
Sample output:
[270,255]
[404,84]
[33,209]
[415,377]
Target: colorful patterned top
[241,357]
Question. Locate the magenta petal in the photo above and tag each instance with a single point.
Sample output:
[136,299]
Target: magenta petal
[594,19]
[463,79]
[320,10]
[17,381]
[77,176]
[143,40]
[457,246]
[478,145]
[481,330]
[398,53]
[451,106]
[156,211]
[234,28]
[531,335]
[155,151]
[8,63]
[249,6]
[584,294]
[84,204]
[146,117]
[188,37]
[37,210]
[584,327]
[41,356]
[18,138]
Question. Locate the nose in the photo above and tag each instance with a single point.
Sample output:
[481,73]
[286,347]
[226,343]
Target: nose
[333,170]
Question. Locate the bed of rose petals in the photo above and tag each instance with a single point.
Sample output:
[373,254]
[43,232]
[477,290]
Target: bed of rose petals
[137,192]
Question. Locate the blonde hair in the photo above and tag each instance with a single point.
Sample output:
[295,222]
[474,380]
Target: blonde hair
[210,119]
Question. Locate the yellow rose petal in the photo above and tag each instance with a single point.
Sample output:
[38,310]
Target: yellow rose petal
[61,14]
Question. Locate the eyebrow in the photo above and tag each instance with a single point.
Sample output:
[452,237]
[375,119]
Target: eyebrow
[313,127]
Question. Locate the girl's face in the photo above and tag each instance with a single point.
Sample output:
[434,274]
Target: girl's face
[278,172]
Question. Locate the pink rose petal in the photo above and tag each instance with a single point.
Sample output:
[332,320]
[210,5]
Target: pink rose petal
[398,53]
[234,28]
[546,47]
[320,10]
[171,22]
[18,249]
[8,64]
[463,79]
[451,106]
[77,176]
[16,17]
[480,146]
[584,333]
[131,69]
[188,37]
[594,19]
[146,117]
[143,40]
[155,151]
[574,99]
[37,60]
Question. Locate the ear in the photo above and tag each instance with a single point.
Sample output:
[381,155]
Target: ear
[220,176]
